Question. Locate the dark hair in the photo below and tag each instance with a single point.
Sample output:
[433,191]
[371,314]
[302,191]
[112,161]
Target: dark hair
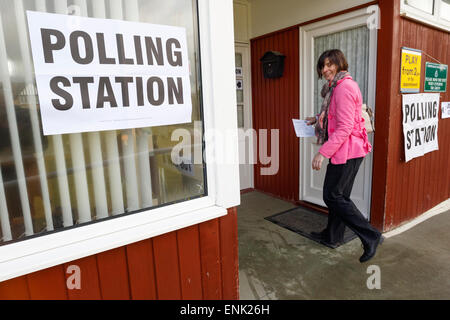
[336,57]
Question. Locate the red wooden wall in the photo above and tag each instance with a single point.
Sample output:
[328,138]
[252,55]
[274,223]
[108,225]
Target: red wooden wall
[400,191]
[275,102]
[198,262]
[406,190]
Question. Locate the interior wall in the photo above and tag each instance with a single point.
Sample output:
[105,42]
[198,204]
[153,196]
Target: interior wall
[268,15]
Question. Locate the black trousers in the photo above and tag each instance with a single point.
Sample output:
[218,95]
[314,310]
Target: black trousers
[337,188]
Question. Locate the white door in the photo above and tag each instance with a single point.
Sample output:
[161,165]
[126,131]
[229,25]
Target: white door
[350,34]
[244,114]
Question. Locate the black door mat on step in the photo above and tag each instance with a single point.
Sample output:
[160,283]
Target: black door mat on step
[303,221]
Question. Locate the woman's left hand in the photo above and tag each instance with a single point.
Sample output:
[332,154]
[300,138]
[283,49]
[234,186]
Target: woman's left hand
[317,161]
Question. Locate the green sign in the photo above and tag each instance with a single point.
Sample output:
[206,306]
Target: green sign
[435,77]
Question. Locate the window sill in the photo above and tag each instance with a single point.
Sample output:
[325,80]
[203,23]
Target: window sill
[39,253]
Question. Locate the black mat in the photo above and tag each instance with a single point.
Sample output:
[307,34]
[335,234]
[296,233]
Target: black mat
[303,221]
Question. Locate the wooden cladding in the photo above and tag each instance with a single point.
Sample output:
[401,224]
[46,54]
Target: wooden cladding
[400,191]
[197,262]
[422,183]
[275,102]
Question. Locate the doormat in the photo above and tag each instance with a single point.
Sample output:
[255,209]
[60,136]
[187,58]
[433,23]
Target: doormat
[303,221]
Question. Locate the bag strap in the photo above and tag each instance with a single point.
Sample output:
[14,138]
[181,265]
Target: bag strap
[362,129]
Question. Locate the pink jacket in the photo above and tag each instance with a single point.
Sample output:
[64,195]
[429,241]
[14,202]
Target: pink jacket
[347,136]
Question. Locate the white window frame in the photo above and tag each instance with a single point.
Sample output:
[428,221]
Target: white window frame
[215,20]
[433,20]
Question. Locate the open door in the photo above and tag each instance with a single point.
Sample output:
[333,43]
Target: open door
[350,34]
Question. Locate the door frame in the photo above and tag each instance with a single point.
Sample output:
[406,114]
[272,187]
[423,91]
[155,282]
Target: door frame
[244,49]
[307,34]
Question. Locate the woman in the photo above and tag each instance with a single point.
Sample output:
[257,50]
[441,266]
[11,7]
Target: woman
[344,141]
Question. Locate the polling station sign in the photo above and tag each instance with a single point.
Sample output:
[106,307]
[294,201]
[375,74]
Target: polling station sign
[103,74]
[420,124]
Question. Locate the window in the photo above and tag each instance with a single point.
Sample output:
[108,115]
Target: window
[48,183]
[239,90]
[432,12]
[424,5]
[445,10]
[41,175]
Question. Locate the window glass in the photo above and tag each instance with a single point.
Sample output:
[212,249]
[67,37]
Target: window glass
[424,5]
[445,10]
[48,183]
[240,115]
[238,58]
[239,89]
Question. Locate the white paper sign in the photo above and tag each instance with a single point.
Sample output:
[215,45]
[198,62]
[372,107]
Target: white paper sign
[103,74]
[445,110]
[420,124]
[302,130]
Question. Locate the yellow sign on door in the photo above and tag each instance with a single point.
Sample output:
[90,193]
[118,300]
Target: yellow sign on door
[410,70]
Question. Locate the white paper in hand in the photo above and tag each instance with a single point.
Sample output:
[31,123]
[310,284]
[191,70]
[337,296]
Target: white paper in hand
[302,130]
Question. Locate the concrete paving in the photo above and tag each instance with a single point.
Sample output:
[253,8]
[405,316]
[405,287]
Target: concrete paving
[275,263]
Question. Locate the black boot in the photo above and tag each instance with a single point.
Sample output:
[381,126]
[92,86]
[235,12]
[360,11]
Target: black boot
[371,249]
